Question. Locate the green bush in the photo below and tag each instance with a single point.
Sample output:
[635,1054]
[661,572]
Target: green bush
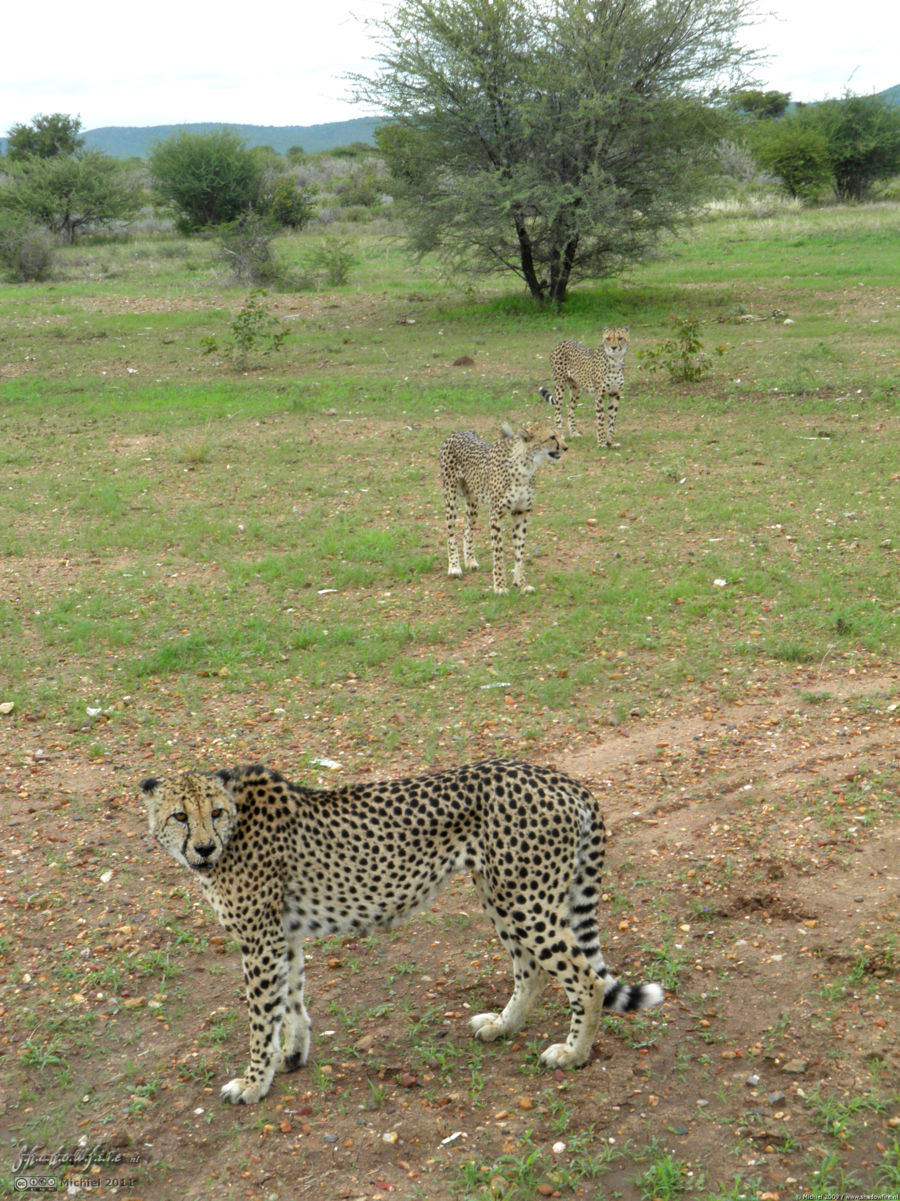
[286,203]
[798,155]
[207,179]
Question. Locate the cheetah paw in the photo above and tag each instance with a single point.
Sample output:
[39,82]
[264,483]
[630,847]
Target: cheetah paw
[239,1092]
[454,572]
[486,1026]
[560,1055]
[290,1062]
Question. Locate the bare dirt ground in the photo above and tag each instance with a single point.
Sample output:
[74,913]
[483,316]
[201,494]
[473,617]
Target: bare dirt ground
[753,870]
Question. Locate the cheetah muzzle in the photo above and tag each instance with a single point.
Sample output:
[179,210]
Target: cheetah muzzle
[279,862]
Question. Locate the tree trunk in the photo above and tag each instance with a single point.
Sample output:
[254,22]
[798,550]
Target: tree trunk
[561,269]
[526,257]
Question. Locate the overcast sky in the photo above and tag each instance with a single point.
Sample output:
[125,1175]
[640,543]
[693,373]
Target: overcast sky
[169,63]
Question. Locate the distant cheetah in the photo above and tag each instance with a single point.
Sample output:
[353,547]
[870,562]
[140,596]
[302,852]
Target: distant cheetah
[599,372]
[501,476]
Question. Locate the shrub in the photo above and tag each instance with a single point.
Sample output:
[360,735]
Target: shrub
[253,329]
[26,249]
[246,247]
[681,356]
[798,155]
[333,259]
[208,179]
[286,203]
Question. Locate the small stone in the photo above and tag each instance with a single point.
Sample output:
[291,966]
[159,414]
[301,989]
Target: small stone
[680,1129]
[796,1067]
[390,1137]
[7,707]
[776,1098]
[329,1138]
[752,1081]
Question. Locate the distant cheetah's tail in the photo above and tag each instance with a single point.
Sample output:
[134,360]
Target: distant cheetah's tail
[547,395]
[626,998]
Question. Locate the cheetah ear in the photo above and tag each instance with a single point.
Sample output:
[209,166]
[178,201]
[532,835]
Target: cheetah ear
[507,431]
[526,433]
[150,786]
[227,778]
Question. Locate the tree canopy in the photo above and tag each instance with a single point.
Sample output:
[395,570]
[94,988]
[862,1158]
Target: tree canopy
[46,137]
[557,140]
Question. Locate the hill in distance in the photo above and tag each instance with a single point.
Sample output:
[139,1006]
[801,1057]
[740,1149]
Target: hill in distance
[133,141]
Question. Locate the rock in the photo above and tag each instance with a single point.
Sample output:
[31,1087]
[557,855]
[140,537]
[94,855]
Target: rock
[795,1067]
[776,1098]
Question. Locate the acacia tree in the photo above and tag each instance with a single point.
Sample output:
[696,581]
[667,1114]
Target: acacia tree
[557,140]
[68,193]
[863,138]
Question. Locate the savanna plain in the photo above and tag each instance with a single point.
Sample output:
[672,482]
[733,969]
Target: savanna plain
[207,560]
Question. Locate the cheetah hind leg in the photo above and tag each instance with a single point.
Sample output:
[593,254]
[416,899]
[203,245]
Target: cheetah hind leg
[570,415]
[583,901]
[296,1038]
[469,561]
[529,980]
[451,497]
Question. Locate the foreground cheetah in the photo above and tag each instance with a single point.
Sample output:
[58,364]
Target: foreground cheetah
[499,475]
[599,372]
[278,861]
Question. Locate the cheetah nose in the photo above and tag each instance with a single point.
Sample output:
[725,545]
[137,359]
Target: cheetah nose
[204,849]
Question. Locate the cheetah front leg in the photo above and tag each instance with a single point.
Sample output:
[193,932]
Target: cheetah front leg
[612,408]
[265,978]
[519,530]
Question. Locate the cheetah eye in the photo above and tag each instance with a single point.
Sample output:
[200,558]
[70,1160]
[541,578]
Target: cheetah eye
[216,814]
[180,817]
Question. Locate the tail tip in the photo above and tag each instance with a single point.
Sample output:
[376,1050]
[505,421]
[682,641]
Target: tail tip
[652,995]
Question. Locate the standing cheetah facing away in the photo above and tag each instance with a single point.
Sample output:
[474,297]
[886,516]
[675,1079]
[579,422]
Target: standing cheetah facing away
[278,862]
[599,372]
[502,477]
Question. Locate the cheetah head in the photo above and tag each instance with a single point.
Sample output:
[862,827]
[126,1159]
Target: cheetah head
[615,343]
[543,442]
[192,816]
